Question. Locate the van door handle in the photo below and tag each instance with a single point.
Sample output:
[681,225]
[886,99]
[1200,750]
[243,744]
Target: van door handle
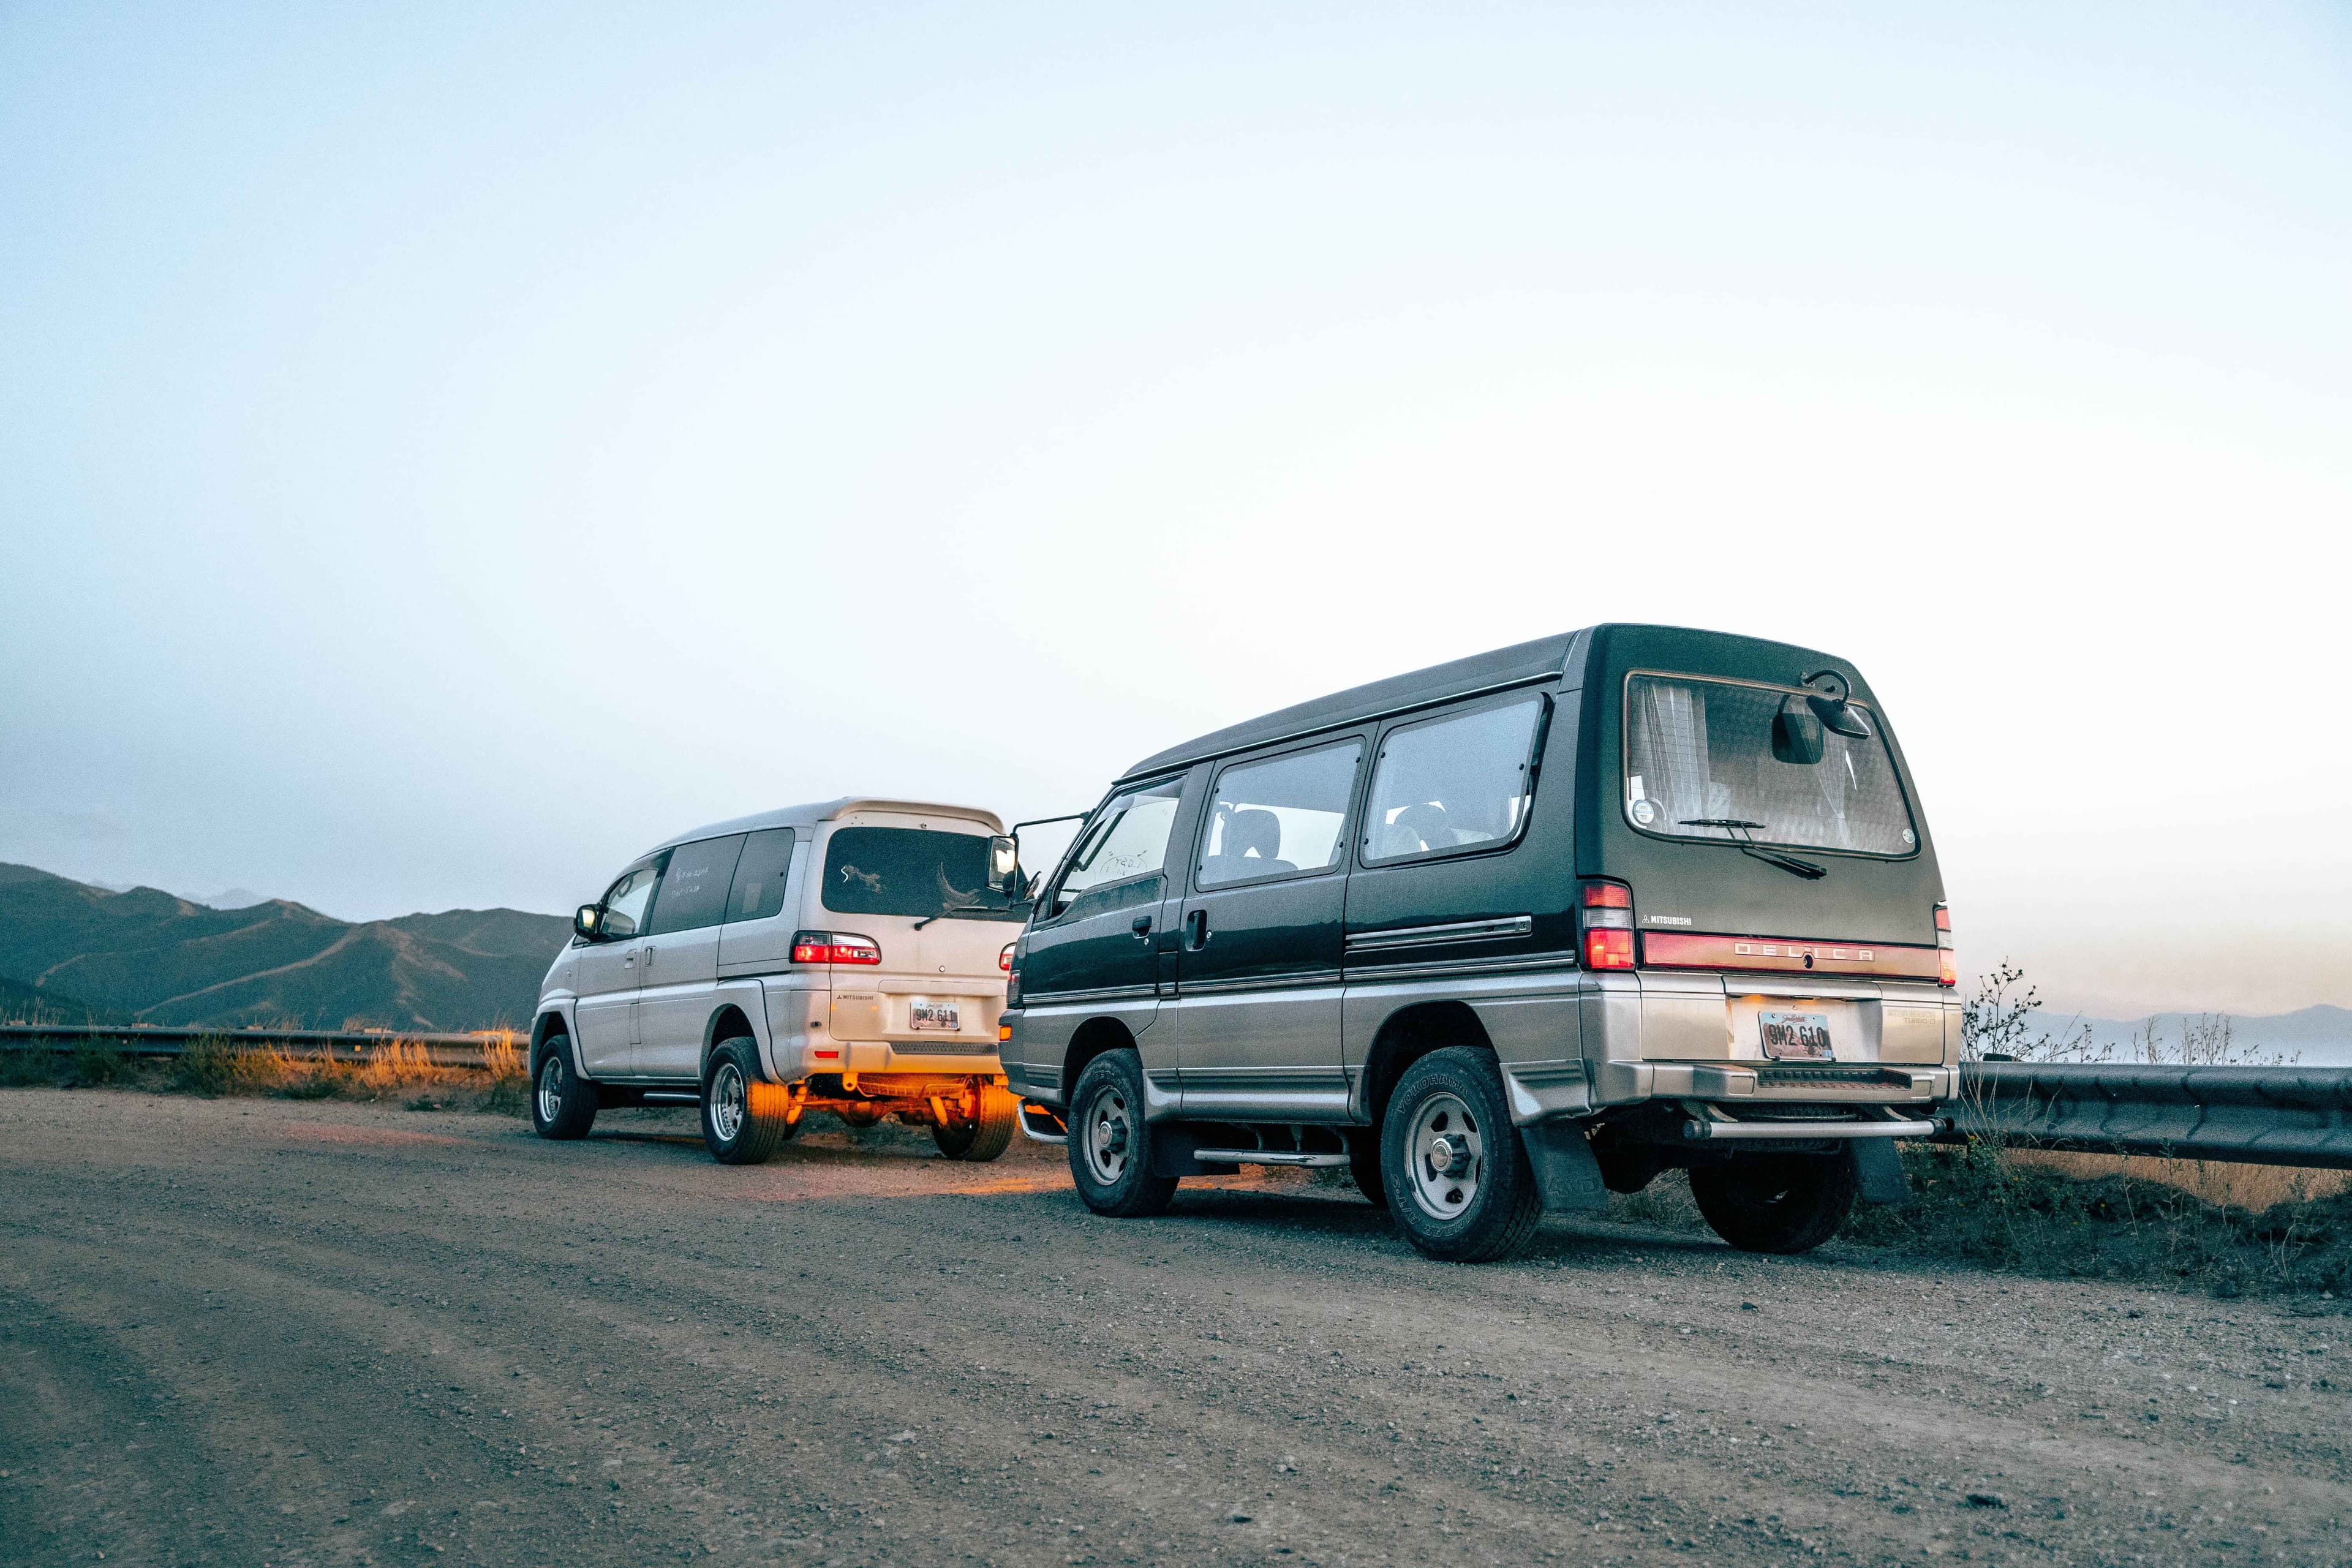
[1140,925]
[1196,930]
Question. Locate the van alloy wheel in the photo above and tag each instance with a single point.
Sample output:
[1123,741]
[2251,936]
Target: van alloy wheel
[727,1099]
[1110,1143]
[744,1117]
[562,1104]
[551,1088]
[1109,1136]
[1459,1184]
[1449,1155]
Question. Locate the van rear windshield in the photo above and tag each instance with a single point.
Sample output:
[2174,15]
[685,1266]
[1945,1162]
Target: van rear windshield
[911,871]
[1703,759]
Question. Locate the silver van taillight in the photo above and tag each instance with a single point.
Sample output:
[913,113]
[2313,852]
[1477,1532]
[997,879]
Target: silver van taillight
[1947,964]
[834,947]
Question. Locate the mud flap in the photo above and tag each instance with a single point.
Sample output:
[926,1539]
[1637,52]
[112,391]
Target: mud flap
[1567,1174]
[1878,1171]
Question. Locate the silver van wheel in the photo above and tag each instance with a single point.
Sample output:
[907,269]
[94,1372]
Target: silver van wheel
[727,1099]
[551,1088]
[1448,1156]
[1109,1135]
[562,1104]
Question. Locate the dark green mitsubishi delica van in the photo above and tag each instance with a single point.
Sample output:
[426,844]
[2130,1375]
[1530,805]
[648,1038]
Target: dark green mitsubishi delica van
[1504,936]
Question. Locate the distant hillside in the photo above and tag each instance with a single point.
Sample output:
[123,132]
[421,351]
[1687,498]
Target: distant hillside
[70,950]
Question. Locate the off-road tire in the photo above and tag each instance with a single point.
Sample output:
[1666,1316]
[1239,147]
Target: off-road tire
[1488,1209]
[1775,1203]
[744,1117]
[1364,1165]
[988,1134]
[1110,1143]
[562,1104]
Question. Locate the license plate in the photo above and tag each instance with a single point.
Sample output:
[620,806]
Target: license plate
[935,1015]
[1797,1036]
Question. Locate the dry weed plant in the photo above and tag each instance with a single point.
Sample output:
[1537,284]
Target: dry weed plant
[213,1065]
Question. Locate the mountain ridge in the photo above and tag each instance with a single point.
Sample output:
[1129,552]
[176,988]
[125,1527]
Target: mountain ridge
[68,949]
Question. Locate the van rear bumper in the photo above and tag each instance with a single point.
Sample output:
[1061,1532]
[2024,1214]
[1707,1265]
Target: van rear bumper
[1875,1083]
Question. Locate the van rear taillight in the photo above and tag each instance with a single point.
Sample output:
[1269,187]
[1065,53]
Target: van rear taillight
[1605,919]
[1005,958]
[1947,967]
[834,947]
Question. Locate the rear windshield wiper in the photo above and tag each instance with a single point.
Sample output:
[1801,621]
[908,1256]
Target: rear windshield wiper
[1019,911]
[1788,863]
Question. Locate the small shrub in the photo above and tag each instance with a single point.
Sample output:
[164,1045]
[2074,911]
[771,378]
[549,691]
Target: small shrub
[206,1065]
[509,1092]
[98,1062]
[24,1067]
[1977,1203]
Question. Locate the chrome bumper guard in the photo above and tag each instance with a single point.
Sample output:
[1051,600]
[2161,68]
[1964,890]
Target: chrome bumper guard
[1708,1129]
[1043,1123]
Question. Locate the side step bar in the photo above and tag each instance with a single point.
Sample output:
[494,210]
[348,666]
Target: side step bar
[1043,1123]
[1716,1131]
[1265,1157]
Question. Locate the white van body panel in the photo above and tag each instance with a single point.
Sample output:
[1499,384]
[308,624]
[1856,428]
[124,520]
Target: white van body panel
[642,1010]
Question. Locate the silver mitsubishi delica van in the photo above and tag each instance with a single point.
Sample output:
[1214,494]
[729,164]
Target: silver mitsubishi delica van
[849,956]
[1504,936]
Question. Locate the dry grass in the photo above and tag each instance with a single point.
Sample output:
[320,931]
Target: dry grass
[2232,1186]
[216,1065]
[2229,1230]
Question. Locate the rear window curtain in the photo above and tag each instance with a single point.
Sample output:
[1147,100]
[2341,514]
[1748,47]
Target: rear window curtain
[1454,783]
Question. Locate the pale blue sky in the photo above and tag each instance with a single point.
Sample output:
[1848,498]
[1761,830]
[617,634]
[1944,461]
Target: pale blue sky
[442,451]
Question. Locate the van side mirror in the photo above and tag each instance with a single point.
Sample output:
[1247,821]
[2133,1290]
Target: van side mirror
[585,921]
[1797,732]
[1005,866]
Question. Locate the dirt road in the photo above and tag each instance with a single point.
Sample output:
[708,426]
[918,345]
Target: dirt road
[258,1331]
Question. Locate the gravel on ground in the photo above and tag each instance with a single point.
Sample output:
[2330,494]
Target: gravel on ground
[264,1331]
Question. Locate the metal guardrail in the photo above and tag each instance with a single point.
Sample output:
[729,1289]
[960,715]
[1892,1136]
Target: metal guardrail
[448,1050]
[2251,1115]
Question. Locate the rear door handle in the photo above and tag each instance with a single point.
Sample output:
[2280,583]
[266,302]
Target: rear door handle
[1196,930]
[1140,925]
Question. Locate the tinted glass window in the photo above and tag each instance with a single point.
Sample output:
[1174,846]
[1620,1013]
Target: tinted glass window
[909,871]
[1281,814]
[1128,838]
[694,885]
[624,901]
[1703,759]
[759,875]
[1453,783]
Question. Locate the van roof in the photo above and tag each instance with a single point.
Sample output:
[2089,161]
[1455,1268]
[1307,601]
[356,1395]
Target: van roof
[815,811]
[1458,677]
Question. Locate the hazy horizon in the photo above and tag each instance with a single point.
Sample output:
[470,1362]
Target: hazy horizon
[444,452]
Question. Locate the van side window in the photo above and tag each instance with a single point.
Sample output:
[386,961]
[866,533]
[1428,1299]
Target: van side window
[624,901]
[694,886]
[1128,837]
[1279,816]
[758,891]
[1456,783]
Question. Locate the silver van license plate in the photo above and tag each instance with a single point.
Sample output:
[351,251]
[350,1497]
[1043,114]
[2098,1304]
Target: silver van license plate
[1797,1036]
[935,1015]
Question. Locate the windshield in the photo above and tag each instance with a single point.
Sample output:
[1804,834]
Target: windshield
[1704,760]
[911,871]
